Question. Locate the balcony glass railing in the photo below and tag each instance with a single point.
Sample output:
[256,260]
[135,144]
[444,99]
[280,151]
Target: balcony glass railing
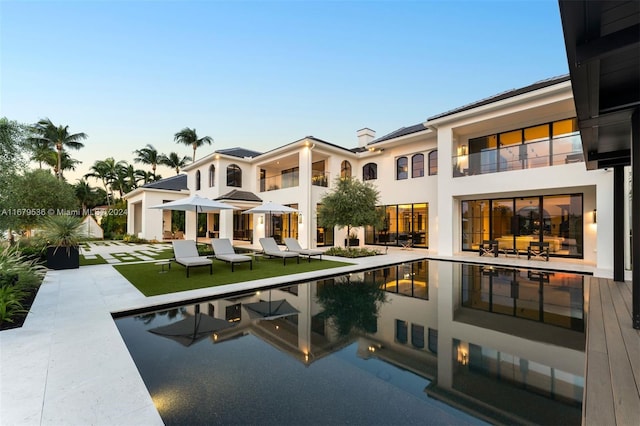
[320,178]
[281,181]
[531,155]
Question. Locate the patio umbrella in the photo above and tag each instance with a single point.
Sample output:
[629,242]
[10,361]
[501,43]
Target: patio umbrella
[270,310]
[271,208]
[197,204]
[191,329]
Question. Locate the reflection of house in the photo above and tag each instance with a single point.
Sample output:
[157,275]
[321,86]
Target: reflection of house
[475,338]
[507,168]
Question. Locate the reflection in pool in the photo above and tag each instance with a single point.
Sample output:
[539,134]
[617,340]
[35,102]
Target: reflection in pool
[397,345]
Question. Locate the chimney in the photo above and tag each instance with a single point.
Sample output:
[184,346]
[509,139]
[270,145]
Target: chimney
[365,136]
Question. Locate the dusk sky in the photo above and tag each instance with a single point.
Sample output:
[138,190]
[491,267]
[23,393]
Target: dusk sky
[261,74]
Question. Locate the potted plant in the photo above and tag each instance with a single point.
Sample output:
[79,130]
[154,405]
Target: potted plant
[62,235]
[354,241]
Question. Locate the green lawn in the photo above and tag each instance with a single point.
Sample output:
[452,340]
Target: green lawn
[147,277]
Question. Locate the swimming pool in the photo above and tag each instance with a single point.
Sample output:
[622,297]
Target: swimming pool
[428,342]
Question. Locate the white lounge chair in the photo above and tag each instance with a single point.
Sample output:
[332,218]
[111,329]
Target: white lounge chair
[223,250]
[186,254]
[271,249]
[294,246]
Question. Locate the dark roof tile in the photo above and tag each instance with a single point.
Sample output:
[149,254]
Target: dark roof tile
[173,183]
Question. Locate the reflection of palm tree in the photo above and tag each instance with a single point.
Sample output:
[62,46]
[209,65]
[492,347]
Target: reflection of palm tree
[352,304]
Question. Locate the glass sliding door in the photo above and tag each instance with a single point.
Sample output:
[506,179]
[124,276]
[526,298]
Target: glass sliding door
[517,222]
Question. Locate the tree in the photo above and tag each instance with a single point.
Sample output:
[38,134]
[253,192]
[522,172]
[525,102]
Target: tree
[106,171]
[59,137]
[39,193]
[188,137]
[41,151]
[148,155]
[350,204]
[174,161]
[67,162]
[87,195]
[12,142]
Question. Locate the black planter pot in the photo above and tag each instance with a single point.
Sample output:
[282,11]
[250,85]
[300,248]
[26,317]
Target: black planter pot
[63,258]
[353,242]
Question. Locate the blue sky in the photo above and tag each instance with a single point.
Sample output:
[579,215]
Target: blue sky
[260,74]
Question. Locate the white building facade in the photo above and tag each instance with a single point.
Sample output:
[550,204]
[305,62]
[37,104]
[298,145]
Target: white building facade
[508,168]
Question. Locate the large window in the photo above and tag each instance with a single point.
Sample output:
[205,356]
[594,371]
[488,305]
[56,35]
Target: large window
[197,180]
[433,163]
[370,171]
[212,176]
[541,145]
[234,176]
[402,168]
[417,165]
[517,222]
[345,169]
[404,224]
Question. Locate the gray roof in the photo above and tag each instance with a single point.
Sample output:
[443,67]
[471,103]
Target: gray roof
[239,152]
[400,132]
[505,95]
[237,195]
[173,183]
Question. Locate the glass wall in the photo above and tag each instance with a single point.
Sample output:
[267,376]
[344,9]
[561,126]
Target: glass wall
[324,236]
[542,145]
[404,224]
[516,222]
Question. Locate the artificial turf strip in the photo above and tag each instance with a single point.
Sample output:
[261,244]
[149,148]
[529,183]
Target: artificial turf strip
[97,261]
[147,277]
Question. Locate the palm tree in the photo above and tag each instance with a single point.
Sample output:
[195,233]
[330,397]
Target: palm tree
[143,177]
[148,155]
[41,150]
[67,163]
[188,137]
[59,137]
[84,192]
[174,161]
[106,171]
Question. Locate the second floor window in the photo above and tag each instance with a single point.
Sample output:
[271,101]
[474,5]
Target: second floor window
[234,176]
[402,168]
[370,171]
[198,180]
[345,169]
[417,165]
[433,163]
[212,176]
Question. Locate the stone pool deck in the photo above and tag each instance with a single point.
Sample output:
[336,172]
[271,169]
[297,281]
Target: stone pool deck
[69,365]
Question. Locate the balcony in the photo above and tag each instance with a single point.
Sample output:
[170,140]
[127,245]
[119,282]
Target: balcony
[319,178]
[531,155]
[281,181]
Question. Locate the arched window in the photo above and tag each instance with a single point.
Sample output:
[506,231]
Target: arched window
[433,162]
[417,165]
[212,176]
[345,169]
[402,168]
[197,180]
[370,171]
[234,175]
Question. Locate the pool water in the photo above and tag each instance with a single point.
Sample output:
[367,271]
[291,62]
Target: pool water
[426,342]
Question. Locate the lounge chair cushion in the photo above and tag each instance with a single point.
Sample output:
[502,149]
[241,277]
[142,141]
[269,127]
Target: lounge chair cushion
[294,246]
[223,250]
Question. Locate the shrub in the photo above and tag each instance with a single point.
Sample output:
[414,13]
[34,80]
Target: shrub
[30,273]
[11,298]
[351,252]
